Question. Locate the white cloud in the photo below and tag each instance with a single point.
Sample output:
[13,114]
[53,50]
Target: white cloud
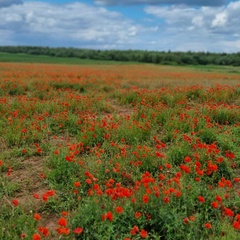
[159,2]
[74,23]
[220,20]
[200,29]
[205,19]
[173,27]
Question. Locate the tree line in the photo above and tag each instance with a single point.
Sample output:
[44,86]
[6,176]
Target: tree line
[157,57]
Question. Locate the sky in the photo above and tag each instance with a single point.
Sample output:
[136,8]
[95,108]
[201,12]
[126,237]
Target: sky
[161,25]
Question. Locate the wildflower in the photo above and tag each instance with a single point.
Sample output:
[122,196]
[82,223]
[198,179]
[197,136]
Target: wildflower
[89,181]
[37,216]
[50,193]
[168,165]
[69,159]
[42,175]
[119,209]
[45,197]
[39,150]
[186,220]
[44,231]
[35,195]
[36,236]
[23,235]
[9,171]
[201,199]
[109,216]
[64,213]
[178,194]
[64,231]
[62,222]
[145,198]
[138,215]
[15,202]
[143,233]
[192,218]
[166,199]
[134,230]
[214,204]
[218,198]
[56,152]
[187,159]
[78,230]
[77,184]
[159,154]
[228,212]
[238,217]
[208,225]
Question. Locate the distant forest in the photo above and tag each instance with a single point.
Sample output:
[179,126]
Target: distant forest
[157,57]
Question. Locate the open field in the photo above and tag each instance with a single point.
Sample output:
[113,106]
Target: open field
[104,152]
[29,58]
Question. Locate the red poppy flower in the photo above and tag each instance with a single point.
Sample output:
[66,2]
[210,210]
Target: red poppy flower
[77,184]
[187,159]
[214,204]
[138,215]
[236,225]
[228,212]
[218,198]
[44,231]
[62,222]
[78,230]
[208,225]
[36,236]
[143,234]
[64,231]
[145,198]
[37,216]
[119,209]
[201,199]
[186,220]
[15,202]
[134,230]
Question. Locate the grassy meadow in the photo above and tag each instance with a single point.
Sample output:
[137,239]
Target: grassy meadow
[109,151]
[31,58]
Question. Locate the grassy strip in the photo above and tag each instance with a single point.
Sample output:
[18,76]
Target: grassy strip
[28,58]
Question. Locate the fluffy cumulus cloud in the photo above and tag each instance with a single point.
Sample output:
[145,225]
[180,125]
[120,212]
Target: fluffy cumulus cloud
[164,27]
[218,19]
[213,26]
[75,24]
[159,2]
[6,3]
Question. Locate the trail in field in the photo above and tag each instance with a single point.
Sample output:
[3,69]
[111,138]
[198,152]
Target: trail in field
[2,144]
[119,109]
[30,179]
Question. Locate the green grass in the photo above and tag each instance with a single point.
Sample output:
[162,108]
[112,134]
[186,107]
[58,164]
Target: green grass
[28,58]
[90,140]
[216,68]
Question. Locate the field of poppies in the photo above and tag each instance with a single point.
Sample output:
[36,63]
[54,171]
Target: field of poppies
[105,152]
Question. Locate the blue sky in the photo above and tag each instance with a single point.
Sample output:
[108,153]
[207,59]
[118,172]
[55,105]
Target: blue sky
[176,25]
